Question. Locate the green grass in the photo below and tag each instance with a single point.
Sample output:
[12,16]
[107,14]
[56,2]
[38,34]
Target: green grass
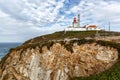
[61,35]
[70,34]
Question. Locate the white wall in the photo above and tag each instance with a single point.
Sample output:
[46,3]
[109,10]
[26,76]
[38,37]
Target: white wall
[75,29]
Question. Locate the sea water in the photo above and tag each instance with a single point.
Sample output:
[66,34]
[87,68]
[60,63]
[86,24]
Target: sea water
[5,47]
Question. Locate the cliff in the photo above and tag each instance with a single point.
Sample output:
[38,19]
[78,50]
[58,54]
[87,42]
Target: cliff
[63,56]
[57,60]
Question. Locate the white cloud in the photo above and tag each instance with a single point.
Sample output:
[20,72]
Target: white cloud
[27,18]
[24,19]
[26,10]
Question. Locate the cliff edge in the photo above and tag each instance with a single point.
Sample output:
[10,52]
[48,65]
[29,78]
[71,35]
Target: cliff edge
[56,59]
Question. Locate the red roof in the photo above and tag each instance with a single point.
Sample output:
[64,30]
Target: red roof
[70,27]
[92,26]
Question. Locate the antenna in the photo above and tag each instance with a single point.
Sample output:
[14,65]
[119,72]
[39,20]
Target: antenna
[109,25]
[78,20]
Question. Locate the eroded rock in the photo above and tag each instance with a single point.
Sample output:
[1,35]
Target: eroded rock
[57,63]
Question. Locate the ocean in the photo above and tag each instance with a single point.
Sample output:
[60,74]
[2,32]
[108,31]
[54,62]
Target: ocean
[5,47]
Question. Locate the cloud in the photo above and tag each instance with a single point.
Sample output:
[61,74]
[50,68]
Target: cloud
[13,30]
[28,19]
[30,11]
[25,19]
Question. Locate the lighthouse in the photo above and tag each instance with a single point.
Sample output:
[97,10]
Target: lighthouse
[77,27]
[75,23]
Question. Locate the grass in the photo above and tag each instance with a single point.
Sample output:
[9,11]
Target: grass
[70,34]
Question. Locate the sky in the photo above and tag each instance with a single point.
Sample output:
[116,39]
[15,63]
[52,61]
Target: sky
[21,20]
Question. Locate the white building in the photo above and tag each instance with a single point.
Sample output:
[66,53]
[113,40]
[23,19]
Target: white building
[92,27]
[76,27]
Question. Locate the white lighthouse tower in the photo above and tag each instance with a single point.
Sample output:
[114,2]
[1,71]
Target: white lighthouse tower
[75,23]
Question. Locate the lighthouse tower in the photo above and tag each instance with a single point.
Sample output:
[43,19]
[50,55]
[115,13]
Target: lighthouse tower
[75,23]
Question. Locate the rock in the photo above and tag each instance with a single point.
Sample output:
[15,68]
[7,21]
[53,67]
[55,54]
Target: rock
[57,63]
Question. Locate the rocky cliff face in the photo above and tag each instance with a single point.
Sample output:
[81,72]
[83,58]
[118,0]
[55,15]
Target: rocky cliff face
[57,62]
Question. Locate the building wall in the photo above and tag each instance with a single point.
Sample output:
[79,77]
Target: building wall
[75,24]
[93,29]
[75,29]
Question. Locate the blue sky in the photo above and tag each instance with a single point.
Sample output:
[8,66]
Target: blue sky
[21,20]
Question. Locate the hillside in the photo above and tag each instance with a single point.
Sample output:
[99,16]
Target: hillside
[64,56]
[70,35]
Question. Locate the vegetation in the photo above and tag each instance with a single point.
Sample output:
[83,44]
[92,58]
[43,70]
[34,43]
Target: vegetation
[45,40]
[70,34]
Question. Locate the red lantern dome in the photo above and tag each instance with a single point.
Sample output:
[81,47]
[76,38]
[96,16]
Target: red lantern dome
[74,20]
